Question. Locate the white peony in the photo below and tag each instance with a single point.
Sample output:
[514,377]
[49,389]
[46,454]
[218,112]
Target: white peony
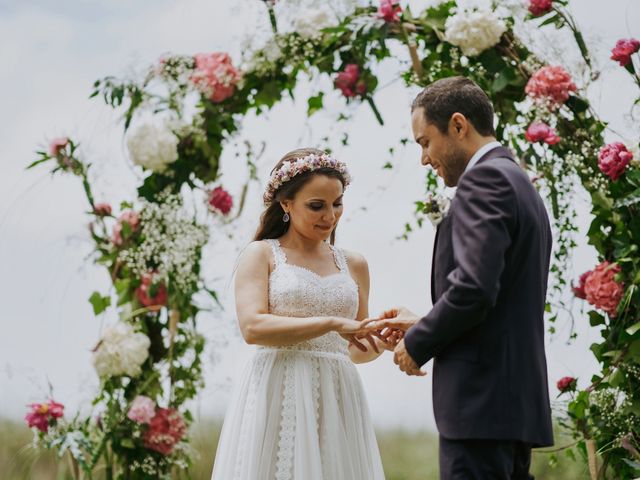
[121,351]
[474,31]
[310,21]
[153,147]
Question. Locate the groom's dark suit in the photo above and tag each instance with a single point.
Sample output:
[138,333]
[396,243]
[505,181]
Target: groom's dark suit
[485,331]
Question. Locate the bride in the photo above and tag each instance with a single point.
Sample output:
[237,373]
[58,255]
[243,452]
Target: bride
[299,411]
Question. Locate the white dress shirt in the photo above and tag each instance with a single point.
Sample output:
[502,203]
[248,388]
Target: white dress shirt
[480,153]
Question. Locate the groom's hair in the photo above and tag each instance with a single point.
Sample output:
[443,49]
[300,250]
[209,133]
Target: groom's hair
[446,96]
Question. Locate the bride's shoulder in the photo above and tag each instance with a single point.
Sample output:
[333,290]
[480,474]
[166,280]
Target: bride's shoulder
[256,251]
[355,260]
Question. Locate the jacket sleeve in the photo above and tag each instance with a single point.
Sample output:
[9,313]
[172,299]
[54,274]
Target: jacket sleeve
[483,220]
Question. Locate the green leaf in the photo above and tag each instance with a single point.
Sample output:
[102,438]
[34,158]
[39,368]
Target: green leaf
[616,379]
[631,199]
[127,443]
[596,319]
[314,104]
[633,328]
[99,302]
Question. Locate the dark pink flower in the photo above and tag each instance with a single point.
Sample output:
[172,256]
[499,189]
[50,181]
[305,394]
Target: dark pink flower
[102,209]
[390,10]
[220,201]
[541,132]
[129,217]
[540,7]
[44,414]
[567,384]
[57,145]
[166,429]
[613,159]
[550,83]
[578,290]
[151,293]
[215,76]
[602,290]
[623,50]
[349,82]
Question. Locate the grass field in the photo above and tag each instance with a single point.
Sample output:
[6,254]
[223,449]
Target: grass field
[405,455]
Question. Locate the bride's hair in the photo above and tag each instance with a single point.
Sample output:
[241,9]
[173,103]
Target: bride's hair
[271,223]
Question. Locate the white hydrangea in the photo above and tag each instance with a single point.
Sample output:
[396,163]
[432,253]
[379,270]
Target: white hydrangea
[310,21]
[474,31]
[121,351]
[153,147]
[436,208]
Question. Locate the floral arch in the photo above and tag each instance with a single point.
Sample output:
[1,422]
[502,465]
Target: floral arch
[150,363]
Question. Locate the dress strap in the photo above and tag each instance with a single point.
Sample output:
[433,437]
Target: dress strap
[340,258]
[278,254]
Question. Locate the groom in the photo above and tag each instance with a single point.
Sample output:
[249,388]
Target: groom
[485,331]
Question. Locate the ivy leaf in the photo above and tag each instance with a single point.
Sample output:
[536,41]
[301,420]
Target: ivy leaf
[314,104]
[99,302]
[596,319]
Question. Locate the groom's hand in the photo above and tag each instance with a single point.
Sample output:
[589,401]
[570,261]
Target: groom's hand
[395,318]
[402,358]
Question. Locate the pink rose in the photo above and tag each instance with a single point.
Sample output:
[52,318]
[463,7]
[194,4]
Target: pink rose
[57,145]
[150,293]
[349,83]
[567,384]
[166,429]
[142,409]
[44,414]
[102,209]
[623,50]
[215,76]
[390,10]
[613,159]
[540,7]
[220,201]
[578,290]
[602,290]
[541,132]
[550,83]
[129,217]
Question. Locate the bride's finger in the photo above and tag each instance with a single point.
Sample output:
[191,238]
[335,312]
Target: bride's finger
[372,342]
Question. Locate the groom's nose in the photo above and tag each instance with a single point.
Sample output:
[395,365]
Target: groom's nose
[425,159]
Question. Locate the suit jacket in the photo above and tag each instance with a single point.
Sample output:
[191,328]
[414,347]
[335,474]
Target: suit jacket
[486,329]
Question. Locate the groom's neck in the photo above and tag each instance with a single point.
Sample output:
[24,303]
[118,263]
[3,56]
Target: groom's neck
[475,143]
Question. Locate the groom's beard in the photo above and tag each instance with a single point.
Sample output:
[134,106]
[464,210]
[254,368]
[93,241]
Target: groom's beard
[453,164]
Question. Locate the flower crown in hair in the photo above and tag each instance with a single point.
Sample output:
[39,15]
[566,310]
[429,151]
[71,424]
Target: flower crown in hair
[311,162]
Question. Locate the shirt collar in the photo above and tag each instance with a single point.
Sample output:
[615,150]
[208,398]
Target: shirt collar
[480,153]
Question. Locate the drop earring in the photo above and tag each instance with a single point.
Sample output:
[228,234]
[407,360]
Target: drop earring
[286,217]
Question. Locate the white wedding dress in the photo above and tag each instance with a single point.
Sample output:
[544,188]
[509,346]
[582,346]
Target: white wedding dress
[299,412]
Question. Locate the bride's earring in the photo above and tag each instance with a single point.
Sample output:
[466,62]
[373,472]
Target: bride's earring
[286,217]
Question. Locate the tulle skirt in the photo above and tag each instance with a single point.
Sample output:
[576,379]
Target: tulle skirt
[298,415]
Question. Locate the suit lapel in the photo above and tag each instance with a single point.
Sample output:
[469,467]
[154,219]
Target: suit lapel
[433,265]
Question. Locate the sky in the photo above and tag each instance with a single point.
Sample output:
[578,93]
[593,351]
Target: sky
[52,52]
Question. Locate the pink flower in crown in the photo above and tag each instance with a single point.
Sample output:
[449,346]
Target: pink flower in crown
[349,83]
[578,290]
[613,159]
[129,217]
[540,7]
[142,409]
[165,430]
[550,84]
[623,50]
[215,76]
[541,132]
[220,201]
[102,209]
[57,145]
[390,10]
[152,293]
[567,384]
[602,290]
[42,415]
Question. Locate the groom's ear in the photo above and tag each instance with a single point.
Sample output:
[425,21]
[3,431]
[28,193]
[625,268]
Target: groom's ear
[458,125]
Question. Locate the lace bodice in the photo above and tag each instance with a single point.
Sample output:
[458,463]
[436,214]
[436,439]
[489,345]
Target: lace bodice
[295,291]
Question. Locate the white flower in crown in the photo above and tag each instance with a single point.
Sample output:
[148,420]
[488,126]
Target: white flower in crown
[436,208]
[474,31]
[305,164]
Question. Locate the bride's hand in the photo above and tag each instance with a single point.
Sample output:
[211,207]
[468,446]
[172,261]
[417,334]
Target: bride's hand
[351,330]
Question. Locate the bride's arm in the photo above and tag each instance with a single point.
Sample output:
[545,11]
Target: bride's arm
[260,327]
[359,270]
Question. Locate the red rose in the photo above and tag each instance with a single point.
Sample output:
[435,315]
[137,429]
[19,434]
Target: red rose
[541,132]
[220,201]
[602,290]
[566,384]
[578,290]
[623,50]
[150,293]
[166,429]
[102,209]
[540,7]
[613,159]
[349,82]
[43,414]
[390,10]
